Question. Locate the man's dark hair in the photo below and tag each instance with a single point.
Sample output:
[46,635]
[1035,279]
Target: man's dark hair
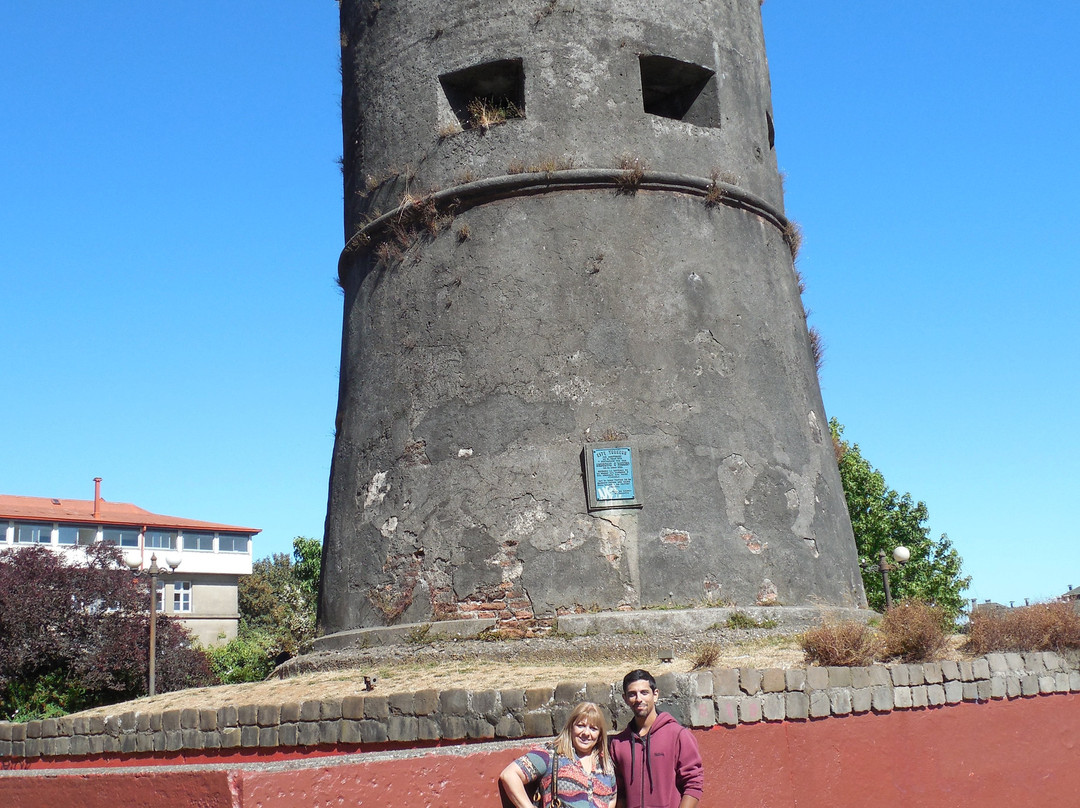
[638,676]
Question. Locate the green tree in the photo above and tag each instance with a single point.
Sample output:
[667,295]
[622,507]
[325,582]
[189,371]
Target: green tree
[277,613]
[882,519]
[307,565]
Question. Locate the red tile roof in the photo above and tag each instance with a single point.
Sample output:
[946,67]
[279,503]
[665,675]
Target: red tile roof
[109,513]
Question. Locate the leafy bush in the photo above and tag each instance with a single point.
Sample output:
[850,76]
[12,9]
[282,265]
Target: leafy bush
[247,658]
[913,631]
[1051,626]
[839,642]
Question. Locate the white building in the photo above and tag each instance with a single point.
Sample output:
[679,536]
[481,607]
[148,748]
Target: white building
[202,590]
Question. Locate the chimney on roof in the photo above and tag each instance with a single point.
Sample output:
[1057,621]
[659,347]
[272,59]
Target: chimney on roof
[97,496]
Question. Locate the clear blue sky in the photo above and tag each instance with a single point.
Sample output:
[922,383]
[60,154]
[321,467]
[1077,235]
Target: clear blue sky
[172,219]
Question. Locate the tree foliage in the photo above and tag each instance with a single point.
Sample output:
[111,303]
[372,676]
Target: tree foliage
[882,519]
[277,613]
[74,636]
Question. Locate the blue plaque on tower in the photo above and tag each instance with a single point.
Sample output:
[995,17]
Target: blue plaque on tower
[611,474]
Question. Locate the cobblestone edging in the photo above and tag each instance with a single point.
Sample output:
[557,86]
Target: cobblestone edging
[725,697]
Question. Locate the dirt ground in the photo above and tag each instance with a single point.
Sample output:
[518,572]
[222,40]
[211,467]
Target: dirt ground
[483,665]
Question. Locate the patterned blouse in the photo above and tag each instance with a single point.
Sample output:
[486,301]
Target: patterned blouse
[576,788]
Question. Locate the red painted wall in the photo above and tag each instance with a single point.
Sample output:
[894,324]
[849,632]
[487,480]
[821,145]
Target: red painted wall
[1004,753]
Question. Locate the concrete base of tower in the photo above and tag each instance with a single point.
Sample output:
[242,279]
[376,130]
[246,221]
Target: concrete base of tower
[789,619]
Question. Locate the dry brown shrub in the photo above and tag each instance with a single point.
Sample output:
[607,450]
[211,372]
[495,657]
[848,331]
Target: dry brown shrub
[839,643]
[706,656]
[1051,626]
[913,631]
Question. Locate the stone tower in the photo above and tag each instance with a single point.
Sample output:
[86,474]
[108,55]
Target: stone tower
[565,232]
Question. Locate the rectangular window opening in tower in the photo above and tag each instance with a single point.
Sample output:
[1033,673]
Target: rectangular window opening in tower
[486,94]
[679,90]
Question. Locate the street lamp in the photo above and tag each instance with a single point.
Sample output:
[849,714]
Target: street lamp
[901,555]
[134,562]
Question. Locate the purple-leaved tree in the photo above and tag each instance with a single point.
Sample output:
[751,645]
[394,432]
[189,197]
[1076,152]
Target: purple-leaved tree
[74,636]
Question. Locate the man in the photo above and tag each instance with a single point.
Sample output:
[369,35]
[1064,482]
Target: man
[656,759]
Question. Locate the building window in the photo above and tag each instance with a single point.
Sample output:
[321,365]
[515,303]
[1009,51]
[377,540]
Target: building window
[487,94]
[679,90]
[160,539]
[160,596]
[232,543]
[181,596]
[194,540]
[27,533]
[76,534]
[121,536]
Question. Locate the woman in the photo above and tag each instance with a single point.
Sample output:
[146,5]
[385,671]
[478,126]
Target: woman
[584,775]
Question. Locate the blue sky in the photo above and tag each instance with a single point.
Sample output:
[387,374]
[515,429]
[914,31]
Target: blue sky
[172,220]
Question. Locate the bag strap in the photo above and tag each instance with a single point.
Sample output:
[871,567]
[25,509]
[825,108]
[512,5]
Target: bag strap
[555,801]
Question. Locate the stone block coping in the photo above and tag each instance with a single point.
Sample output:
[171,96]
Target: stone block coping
[702,700]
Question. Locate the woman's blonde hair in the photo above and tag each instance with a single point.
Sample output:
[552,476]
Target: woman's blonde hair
[594,717]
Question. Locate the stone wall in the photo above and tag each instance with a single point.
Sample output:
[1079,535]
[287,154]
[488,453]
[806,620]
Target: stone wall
[706,699]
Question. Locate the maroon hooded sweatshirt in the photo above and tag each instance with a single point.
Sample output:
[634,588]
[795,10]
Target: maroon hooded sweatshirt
[657,770]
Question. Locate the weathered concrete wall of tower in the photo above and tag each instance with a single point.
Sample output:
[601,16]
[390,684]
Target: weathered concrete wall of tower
[590,271]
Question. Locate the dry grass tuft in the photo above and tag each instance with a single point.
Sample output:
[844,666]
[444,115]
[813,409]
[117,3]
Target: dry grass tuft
[487,112]
[706,656]
[547,165]
[714,195]
[1053,626]
[913,631]
[817,347]
[839,642]
[633,169]
[793,236]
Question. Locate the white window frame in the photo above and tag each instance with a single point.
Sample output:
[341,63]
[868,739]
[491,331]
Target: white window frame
[181,597]
[35,528]
[235,537]
[152,539]
[195,535]
[122,530]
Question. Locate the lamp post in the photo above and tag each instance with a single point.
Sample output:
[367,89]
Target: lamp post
[900,555]
[134,562]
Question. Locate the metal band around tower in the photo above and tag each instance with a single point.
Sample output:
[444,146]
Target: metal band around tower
[480,192]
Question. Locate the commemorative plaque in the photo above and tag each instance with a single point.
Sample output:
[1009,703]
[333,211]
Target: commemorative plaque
[611,476]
